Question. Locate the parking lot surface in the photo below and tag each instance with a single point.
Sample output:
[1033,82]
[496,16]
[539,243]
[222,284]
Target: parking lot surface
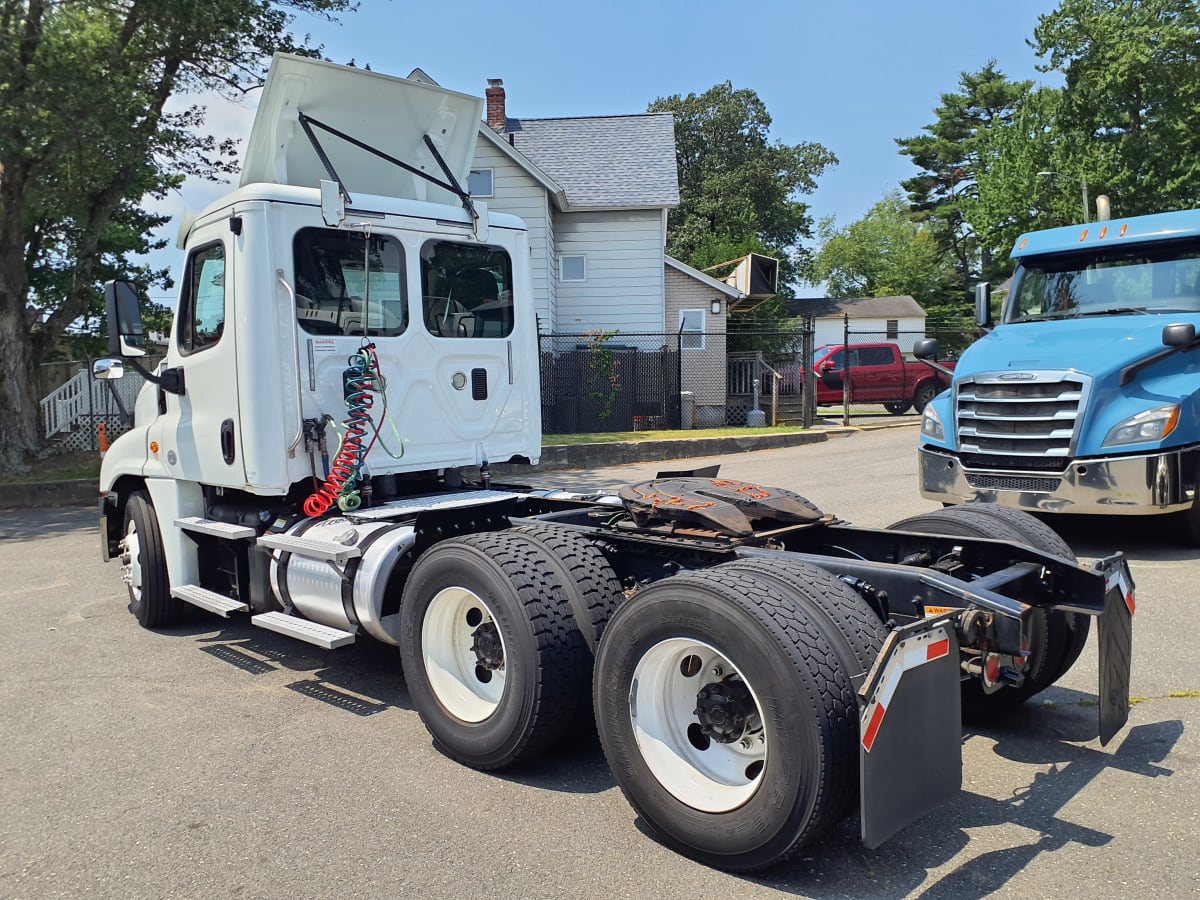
[217,759]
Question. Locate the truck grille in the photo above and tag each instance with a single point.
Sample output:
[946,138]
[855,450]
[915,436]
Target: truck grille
[1014,463]
[1020,414]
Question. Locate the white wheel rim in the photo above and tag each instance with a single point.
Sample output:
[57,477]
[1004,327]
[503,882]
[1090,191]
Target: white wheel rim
[464,688]
[662,703]
[131,561]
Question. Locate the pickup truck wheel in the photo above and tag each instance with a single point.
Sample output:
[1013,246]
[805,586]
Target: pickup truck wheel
[925,392]
[144,566]
[492,658]
[726,718]
[1047,648]
[898,407]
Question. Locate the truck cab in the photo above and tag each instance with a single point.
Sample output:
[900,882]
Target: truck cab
[1084,397]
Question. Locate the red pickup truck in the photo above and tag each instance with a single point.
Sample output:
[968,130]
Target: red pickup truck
[878,373]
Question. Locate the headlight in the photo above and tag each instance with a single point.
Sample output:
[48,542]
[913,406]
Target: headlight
[931,424]
[1151,425]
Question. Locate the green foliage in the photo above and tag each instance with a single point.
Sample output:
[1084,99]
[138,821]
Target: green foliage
[604,383]
[886,253]
[1131,105]
[738,189]
[86,131]
[950,154]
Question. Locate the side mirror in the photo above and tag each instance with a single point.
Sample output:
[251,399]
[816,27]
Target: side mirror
[827,366]
[983,304]
[108,369]
[125,335]
[926,348]
[1179,334]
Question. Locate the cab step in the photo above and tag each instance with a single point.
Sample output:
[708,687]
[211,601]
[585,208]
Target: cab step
[303,630]
[200,525]
[311,548]
[210,600]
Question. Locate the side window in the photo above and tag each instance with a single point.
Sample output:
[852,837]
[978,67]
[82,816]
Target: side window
[202,302]
[466,290]
[691,328]
[875,356]
[479,183]
[893,329]
[349,283]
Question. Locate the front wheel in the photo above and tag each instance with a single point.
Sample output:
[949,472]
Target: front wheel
[726,718]
[924,393]
[144,566]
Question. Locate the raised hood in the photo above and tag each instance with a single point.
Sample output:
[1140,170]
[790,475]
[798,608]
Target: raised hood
[392,115]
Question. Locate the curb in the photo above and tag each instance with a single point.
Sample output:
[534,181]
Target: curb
[556,457]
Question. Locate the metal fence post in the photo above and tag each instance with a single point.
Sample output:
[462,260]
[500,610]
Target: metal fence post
[845,369]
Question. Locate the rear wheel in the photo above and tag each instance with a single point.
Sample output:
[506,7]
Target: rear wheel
[898,407]
[1052,639]
[726,718]
[144,566]
[491,655]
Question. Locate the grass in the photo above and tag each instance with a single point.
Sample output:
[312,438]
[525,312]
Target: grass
[608,437]
[63,467]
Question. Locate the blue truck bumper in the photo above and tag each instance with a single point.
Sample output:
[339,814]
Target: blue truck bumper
[1124,485]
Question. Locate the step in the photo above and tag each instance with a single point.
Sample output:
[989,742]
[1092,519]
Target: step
[310,547]
[304,630]
[210,600]
[201,525]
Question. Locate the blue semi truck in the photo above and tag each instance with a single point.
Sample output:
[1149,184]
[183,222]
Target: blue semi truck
[1085,396]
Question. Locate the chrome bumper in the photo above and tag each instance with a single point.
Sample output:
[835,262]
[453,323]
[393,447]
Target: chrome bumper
[1125,485]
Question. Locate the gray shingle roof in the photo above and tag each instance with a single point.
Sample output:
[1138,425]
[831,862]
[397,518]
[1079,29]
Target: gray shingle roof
[604,162]
[857,307]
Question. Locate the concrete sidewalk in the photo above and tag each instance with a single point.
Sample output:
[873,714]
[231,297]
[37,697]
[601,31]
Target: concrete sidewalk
[555,457]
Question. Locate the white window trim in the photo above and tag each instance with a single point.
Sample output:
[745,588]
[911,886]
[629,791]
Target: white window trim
[683,314]
[562,268]
[491,181]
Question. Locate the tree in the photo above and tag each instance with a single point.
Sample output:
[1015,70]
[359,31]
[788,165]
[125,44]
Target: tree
[85,132]
[737,189]
[886,253]
[950,154]
[1132,70]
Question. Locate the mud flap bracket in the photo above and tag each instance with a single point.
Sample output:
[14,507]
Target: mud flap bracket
[910,737]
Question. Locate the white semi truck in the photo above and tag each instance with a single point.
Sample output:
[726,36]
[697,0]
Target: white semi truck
[355,339]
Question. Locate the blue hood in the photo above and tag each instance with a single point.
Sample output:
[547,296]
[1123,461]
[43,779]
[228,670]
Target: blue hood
[1099,346]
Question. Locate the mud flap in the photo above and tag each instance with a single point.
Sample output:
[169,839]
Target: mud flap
[1115,634]
[910,747]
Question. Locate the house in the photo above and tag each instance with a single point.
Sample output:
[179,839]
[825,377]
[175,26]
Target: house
[900,320]
[595,192]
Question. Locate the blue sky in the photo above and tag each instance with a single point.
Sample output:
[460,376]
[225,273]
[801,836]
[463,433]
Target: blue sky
[850,75]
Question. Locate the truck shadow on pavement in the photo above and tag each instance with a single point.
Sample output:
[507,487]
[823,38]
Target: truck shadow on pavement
[1063,769]
[363,679]
[1145,537]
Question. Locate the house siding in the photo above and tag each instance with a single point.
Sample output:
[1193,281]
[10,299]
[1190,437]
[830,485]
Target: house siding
[623,290]
[702,371]
[517,192]
[868,330]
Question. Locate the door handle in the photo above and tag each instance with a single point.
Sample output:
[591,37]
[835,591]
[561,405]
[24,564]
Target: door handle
[227,441]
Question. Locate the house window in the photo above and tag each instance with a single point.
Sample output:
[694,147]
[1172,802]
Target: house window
[893,329]
[479,183]
[572,268]
[691,329]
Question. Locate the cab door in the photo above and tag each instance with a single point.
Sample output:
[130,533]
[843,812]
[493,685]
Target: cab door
[199,434]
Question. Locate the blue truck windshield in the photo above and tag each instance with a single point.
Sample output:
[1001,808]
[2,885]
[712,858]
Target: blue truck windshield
[1162,277]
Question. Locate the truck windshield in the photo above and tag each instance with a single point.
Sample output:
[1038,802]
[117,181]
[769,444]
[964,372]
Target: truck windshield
[1162,277]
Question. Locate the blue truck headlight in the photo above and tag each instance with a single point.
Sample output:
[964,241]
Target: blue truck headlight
[1150,425]
[931,424]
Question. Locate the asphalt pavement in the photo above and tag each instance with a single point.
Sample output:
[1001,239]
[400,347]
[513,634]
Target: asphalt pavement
[216,759]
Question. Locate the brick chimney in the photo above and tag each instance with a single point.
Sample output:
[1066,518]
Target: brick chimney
[495,104]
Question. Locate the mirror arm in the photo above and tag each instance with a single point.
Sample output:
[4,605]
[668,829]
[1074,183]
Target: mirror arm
[171,380]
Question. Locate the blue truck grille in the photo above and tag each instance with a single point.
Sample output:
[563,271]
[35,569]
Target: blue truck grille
[1020,414]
